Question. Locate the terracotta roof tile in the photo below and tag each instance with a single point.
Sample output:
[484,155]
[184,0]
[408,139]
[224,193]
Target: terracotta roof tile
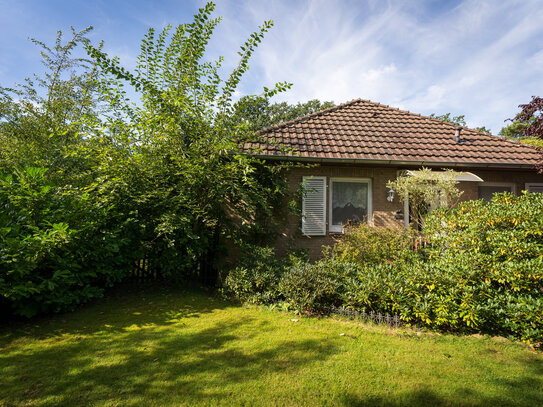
[366,130]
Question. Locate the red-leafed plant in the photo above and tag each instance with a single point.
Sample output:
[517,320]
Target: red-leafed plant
[532,115]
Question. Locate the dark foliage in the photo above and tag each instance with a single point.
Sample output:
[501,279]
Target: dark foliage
[532,112]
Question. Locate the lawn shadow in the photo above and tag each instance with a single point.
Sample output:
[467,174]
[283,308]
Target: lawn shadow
[142,345]
[526,391]
[124,306]
[197,365]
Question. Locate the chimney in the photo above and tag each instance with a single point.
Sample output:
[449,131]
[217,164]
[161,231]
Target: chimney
[457,131]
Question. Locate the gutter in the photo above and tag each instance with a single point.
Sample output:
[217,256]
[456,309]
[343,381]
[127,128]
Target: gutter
[395,162]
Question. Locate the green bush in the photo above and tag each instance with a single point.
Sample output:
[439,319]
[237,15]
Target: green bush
[315,287]
[57,247]
[483,272]
[262,278]
[364,244]
[257,276]
[449,296]
[435,295]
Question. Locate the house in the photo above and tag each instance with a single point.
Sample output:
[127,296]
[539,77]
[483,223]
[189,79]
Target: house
[358,146]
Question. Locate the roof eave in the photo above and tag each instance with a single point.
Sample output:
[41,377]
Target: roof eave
[397,162]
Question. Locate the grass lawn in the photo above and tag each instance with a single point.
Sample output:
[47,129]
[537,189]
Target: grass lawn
[169,347]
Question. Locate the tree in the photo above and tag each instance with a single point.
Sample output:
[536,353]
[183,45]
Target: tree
[92,181]
[458,120]
[527,126]
[263,114]
[425,190]
[532,114]
[44,118]
[174,162]
[514,131]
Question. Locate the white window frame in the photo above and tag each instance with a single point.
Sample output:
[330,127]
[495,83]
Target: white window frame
[512,186]
[339,229]
[532,184]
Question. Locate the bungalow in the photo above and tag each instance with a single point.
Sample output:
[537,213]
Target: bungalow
[358,146]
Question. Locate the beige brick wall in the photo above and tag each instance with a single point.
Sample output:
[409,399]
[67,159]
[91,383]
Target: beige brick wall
[383,210]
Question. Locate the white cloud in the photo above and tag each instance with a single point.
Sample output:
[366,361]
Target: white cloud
[480,58]
[477,58]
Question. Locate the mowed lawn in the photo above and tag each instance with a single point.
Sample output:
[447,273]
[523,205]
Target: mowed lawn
[170,347]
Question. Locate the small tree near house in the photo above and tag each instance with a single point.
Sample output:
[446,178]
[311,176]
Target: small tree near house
[425,190]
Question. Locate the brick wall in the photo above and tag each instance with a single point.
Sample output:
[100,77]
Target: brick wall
[383,211]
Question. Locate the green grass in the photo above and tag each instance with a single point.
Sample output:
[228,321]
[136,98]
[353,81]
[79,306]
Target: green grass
[165,346]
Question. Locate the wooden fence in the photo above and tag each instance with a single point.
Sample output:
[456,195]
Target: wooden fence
[144,271]
[148,269]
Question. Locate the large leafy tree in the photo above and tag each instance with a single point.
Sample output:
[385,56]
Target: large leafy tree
[92,180]
[175,159]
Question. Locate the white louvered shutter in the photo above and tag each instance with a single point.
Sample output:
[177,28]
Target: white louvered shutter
[314,206]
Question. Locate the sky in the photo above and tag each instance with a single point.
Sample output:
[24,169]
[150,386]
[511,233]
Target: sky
[478,58]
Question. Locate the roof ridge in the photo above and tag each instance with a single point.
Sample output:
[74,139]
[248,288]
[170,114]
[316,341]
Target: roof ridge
[309,115]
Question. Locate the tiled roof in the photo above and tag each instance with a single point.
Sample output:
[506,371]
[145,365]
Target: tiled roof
[365,130]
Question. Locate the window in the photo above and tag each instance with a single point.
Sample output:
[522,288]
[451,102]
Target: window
[534,187]
[314,206]
[488,189]
[350,200]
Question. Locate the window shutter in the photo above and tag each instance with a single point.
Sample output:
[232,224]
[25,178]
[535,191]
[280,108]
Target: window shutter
[314,206]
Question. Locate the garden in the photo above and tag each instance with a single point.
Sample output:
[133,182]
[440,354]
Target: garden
[108,175]
[480,272]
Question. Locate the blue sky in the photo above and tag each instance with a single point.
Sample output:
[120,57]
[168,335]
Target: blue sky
[477,58]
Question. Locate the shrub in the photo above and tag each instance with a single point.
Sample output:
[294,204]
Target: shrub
[447,295]
[483,273]
[47,263]
[365,244]
[434,295]
[315,287]
[257,277]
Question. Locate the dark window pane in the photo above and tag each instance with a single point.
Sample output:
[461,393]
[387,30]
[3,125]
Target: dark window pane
[535,188]
[486,191]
